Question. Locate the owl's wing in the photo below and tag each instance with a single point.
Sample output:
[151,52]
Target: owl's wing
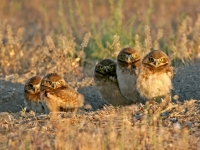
[32,97]
[170,72]
[67,97]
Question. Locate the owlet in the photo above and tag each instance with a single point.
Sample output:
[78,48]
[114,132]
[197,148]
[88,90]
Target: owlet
[105,78]
[155,77]
[128,63]
[32,94]
[57,95]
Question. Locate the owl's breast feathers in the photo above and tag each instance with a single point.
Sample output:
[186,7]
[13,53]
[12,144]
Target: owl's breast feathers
[110,92]
[152,83]
[32,97]
[103,79]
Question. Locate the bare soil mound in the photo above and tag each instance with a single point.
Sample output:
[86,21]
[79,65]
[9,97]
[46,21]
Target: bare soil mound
[187,82]
[174,128]
[186,86]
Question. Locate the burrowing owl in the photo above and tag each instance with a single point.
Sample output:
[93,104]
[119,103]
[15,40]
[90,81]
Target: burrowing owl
[105,78]
[32,94]
[155,75]
[128,63]
[56,95]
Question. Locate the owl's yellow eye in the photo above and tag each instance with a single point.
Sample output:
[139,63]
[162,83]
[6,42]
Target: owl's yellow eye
[50,82]
[161,59]
[101,67]
[59,82]
[151,59]
[123,56]
[111,67]
[134,55]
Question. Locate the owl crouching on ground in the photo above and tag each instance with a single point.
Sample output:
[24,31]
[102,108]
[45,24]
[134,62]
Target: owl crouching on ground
[106,82]
[32,95]
[154,80]
[128,63]
[56,95]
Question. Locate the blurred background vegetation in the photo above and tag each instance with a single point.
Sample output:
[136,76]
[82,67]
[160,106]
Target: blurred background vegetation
[75,32]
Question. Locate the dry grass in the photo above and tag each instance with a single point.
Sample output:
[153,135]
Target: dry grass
[67,37]
[109,128]
[17,58]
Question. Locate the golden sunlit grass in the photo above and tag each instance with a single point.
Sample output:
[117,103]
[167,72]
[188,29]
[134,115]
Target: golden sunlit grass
[67,37]
[17,58]
[109,128]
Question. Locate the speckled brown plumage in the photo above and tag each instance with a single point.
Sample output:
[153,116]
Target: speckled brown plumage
[106,82]
[154,78]
[56,95]
[128,63]
[32,94]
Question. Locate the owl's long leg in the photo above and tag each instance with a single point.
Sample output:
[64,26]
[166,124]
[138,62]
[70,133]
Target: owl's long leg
[166,101]
[75,111]
[163,105]
[151,106]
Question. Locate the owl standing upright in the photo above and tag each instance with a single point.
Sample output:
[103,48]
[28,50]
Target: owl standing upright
[154,80]
[128,63]
[105,78]
[56,95]
[32,94]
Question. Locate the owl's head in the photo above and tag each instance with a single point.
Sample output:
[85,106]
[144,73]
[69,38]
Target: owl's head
[128,55]
[156,60]
[106,67]
[32,86]
[53,80]
[128,58]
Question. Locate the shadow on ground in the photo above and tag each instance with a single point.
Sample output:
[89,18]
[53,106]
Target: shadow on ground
[11,96]
[187,82]
[92,97]
[186,85]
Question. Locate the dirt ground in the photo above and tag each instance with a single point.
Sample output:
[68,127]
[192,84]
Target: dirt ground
[186,86]
[179,124]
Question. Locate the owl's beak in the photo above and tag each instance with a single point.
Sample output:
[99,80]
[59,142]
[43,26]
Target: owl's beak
[156,63]
[54,85]
[35,89]
[106,70]
[128,59]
